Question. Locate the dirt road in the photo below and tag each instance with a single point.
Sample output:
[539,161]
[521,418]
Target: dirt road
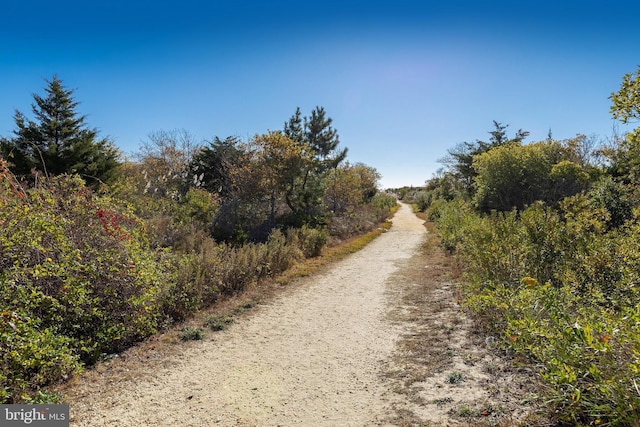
[311,357]
[366,343]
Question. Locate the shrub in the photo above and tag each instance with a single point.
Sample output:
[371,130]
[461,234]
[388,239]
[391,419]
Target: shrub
[238,267]
[191,334]
[278,254]
[558,287]
[77,265]
[31,355]
[453,220]
[613,197]
[217,323]
[362,218]
[583,350]
[197,205]
[423,200]
[80,265]
[309,240]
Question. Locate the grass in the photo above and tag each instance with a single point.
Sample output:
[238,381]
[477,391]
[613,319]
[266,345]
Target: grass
[331,254]
[190,333]
[244,307]
[465,411]
[443,401]
[219,323]
[455,378]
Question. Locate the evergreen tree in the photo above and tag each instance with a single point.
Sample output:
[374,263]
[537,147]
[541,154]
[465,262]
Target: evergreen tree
[320,141]
[293,128]
[215,163]
[323,140]
[58,141]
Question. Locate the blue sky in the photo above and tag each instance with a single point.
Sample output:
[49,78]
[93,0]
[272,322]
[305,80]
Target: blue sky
[403,80]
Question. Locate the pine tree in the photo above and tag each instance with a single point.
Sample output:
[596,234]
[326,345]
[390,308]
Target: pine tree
[58,141]
[323,140]
[460,158]
[293,128]
[320,144]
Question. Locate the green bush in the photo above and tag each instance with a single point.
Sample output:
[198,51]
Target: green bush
[191,334]
[559,288]
[78,264]
[31,355]
[586,353]
[615,198]
[278,253]
[239,267]
[423,200]
[383,201]
[362,218]
[453,220]
[218,323]
[309,240]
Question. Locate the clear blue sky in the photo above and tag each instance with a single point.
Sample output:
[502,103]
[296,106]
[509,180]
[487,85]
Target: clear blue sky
[403,80]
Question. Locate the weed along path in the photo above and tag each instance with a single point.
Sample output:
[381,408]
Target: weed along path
[319,353]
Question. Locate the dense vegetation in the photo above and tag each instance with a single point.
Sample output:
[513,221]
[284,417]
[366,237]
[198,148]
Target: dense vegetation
[98,253]
[548,235]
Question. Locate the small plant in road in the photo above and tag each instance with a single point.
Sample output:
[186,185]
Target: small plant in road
[191,334]
[219,323]
[455,378]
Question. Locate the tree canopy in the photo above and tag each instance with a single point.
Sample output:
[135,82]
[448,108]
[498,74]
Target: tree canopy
[460,158]
[516,175]
[319,141]
[58,140]
[626,101]
[215,161]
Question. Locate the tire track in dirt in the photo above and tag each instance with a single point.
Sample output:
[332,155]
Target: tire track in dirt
[313,356]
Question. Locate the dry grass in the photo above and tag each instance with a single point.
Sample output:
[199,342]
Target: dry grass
[331,254]
[443,371]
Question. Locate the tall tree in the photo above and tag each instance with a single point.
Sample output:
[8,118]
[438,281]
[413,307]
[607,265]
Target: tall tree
[499,135]
[58,140]
[280,159]
[320,144]
[294,128]
[323,140]
[259,179]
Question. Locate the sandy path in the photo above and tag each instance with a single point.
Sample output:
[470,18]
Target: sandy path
[311,357]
